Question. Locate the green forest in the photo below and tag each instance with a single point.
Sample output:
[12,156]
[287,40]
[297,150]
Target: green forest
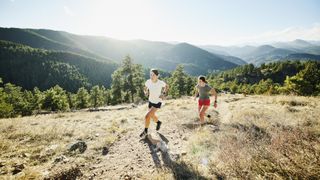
[74,88]
[287,77]
[31,67]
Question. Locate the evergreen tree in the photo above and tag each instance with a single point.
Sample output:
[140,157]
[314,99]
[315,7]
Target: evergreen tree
[14,97]
[306,82]
[127,82]
[72,101]
[29,104]
[96,96]
[82,98]
[116,87]
[38,98]
[107,95]
[55,99]
[6,109]
[263,86]
[178,83]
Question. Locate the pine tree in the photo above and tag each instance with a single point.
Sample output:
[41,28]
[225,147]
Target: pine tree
[127,82]
[14,97]
[96,96]
[82,98]
[6,109]
[178,83]
[55,99]
[116,87]
[38,98]
[72,100]
[306,81]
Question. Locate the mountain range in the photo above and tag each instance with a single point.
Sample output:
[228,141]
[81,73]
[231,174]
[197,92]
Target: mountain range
[277,51]
[162,55]
[81,54]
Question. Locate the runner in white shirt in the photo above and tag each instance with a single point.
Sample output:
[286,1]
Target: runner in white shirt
[157,90]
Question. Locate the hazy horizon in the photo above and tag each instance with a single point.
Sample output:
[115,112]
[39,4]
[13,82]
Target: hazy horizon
[207,22]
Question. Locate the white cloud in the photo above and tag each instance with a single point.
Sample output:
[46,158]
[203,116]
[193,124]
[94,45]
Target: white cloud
[68,11]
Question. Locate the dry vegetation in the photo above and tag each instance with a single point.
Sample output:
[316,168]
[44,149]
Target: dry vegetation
[253,137]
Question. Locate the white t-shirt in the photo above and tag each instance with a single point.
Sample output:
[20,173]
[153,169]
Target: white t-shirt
[155,90]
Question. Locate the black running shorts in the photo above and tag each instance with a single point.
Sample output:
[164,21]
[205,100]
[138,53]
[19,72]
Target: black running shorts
[158,105]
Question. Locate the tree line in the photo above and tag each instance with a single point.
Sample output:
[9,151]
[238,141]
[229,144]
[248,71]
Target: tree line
[288,77]
[126,87]
[128,82]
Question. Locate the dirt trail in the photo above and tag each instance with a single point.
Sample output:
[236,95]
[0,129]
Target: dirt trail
[133,157]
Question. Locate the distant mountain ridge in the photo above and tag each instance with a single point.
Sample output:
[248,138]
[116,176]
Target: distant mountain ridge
[148,53]
[271,52]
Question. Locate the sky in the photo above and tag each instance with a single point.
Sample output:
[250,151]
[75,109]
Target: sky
[200,22]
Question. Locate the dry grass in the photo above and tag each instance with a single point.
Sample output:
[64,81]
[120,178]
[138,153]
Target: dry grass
[36,141]
[263,139]
[258,137]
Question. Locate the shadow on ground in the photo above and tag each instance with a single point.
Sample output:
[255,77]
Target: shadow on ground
[180,169]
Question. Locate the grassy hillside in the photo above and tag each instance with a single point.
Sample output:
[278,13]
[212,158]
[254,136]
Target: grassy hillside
[268,137]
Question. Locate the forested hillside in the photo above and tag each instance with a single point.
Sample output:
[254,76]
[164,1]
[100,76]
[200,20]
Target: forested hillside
[30,67]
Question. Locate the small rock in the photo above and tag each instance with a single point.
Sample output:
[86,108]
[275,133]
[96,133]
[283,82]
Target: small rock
[97,135]
[183,153]
[27,155]
[17,168]
[124,121]
[81,145]
[2,163]
[105,151]
[34,124]
[127,177]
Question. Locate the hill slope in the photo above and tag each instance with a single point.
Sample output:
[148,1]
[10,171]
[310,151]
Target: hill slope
[29,67]
[244,132]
